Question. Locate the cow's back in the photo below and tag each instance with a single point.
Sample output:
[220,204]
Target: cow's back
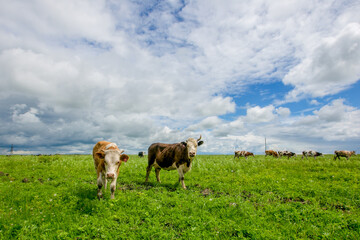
[166,154]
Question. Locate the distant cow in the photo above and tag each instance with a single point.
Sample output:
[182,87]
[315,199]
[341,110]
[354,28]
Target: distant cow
[107,160]
[310,153]
[238,154]
[286,153]
[243,154]
[347,154]
[271,153]
[177,156]
[141,154]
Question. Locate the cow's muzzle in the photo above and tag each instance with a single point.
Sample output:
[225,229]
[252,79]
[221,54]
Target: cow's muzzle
[192,154]
[110,175]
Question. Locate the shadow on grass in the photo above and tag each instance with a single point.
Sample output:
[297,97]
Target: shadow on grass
[141,185]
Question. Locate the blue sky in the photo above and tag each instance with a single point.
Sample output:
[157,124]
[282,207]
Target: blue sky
[136,72]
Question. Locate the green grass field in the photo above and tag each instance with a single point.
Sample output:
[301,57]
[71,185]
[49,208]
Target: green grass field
[54,197]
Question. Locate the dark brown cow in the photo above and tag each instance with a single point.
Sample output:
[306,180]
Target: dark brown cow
[347,154]
[271,153]
[177,156]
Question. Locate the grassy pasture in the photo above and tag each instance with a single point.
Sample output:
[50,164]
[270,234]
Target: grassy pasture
[54,197]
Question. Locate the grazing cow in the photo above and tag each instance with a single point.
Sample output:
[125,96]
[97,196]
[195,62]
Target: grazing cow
[107,160]
[282,153]
[239,154]
[347,154]
[310,153]
[289,154]
[286,153]
[141,154]
[271,153]
[172,156]
[243,154]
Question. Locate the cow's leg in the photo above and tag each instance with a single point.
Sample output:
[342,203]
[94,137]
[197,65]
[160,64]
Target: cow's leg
[148,169]
[157,172]
[151,161]
[100,184]
[181,176]
[113,187]
[105,183]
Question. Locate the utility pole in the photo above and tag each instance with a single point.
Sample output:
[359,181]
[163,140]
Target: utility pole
[265,144]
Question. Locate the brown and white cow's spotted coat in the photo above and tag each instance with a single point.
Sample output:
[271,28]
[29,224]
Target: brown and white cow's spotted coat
[177,156]
[243,154]
[310,153]
[271,153]
[342,153]
[107,160]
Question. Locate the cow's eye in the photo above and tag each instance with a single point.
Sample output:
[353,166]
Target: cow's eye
[117,162]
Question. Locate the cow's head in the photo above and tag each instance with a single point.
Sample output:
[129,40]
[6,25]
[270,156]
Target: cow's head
[191,146]
[318,154]
[112,160]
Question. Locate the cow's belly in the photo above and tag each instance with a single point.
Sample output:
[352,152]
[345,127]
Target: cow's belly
[185,167]
[165,167]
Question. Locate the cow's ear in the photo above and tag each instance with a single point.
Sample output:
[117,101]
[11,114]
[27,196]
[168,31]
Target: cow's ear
[124,157]
[200,143]
[183,143]
[100,154]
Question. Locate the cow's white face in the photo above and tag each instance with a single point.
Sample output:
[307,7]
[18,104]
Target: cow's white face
[191,145]
[112,163]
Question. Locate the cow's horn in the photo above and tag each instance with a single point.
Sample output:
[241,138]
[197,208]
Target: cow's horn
[199,138]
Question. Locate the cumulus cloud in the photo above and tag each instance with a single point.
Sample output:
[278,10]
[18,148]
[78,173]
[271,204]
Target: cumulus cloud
[73,73]
[332,66]
[257,114]
[217,106]
[207,123]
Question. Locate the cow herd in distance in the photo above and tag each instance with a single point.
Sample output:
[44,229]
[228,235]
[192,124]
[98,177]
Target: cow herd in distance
[306,154]
[177,156]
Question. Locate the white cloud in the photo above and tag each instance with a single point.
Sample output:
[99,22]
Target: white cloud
[283,112]
[257,114]
[329,68]
[217,106]
[207,123]
[73,73]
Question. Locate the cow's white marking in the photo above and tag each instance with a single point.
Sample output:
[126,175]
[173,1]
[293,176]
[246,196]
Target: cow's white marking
[111,145]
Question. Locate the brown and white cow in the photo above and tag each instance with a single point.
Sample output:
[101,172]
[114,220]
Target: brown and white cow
[342,153]
[271,153]
[243,154]
[177,156]
[238,154]
[310,153]
[107,160]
